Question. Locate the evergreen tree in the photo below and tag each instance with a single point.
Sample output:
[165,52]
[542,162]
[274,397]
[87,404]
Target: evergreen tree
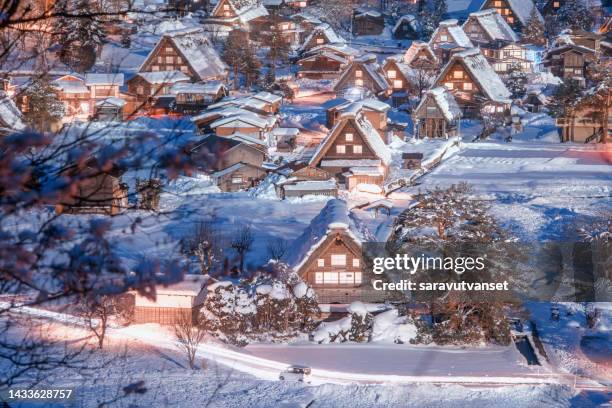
[81,36]
[575,15]
[533,33]
[565,98]
[430,17]
[239,54]
[516,81]
[43,107]
[278,45]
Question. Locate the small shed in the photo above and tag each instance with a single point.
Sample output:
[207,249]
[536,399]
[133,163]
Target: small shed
[171,302]
[407,27]
[380,207]
[412,160]
[285,138]
[240,176]
[109,109]
[368,21]
[309,187]
[437,115]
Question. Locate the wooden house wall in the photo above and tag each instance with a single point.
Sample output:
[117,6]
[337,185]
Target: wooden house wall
[227,130]
[224,10]
[461,84]
[364,81]
[340,140]
[475,32]
[503,8]
[250,177]
[166,57]
[368,25]
[241,153]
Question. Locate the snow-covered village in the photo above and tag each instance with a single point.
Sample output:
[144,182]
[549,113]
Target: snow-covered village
[305,203]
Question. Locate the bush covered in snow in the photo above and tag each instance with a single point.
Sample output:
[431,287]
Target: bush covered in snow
[361,326]
[240,313]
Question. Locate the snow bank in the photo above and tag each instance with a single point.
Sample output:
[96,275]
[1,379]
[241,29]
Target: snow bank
[330,331]
[389,327]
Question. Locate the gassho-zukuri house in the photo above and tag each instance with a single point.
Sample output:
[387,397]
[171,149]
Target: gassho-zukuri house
[328,256]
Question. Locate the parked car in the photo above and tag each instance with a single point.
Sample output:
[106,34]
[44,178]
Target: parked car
[296,373]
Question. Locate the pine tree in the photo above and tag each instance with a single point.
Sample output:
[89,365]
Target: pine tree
[278,46]
[430,17]
[533,33]
[565,98]
[43,107]
[575,15]
[81,36]
[233,52]
[516,81]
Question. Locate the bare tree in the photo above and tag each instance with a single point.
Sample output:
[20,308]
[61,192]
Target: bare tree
[277,248]
[98,310]
[208,247]
[242,243]
[190,332]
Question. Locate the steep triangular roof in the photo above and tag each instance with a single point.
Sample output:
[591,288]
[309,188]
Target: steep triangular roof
[481,72]
[333,217]
[445,101]
[370,67]
[195,47]
[521,9]
[493,24]
[365,129]
[455,31]
[327,32]
[415,48]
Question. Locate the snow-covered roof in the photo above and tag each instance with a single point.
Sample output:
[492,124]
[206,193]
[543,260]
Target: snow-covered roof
[71,87]
[268,97]
[414,50]
[351,163]
[191,285]
[341,49]
[368,104]
[408,18]
[494,25]
[455,31]
[113,100]
[281,132]
[367,12]
[369,64]
[312,185]
[241,137]
[335,215]
[522,10]
[480,70]
[163,77]
[327,32]
[197,50]
[445,101]
[104,79]
[208,88]
[251,119]
[366,130]
[245,10]
[326,54]
[230,169]
[10,115]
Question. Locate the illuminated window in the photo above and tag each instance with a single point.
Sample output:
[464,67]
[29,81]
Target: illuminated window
[169,60]
[340,149]
[444,38]
[356,262]
[237,180]
[347,277]
[359,82]
[397,84]
[357,277]
[330,278]
[320,262]
[556,4]
[498,3]
[179,60]
[457,74]
[338,260]
[357,149]
[319,277]
[160,59]
[169,49]
[285,26]
[155,68]
[510,20]
[467,86]
[449,85]
[140,90]
[320,40]
[226,7]
[184,69]
[348,137]
[392,74]
[359,73]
